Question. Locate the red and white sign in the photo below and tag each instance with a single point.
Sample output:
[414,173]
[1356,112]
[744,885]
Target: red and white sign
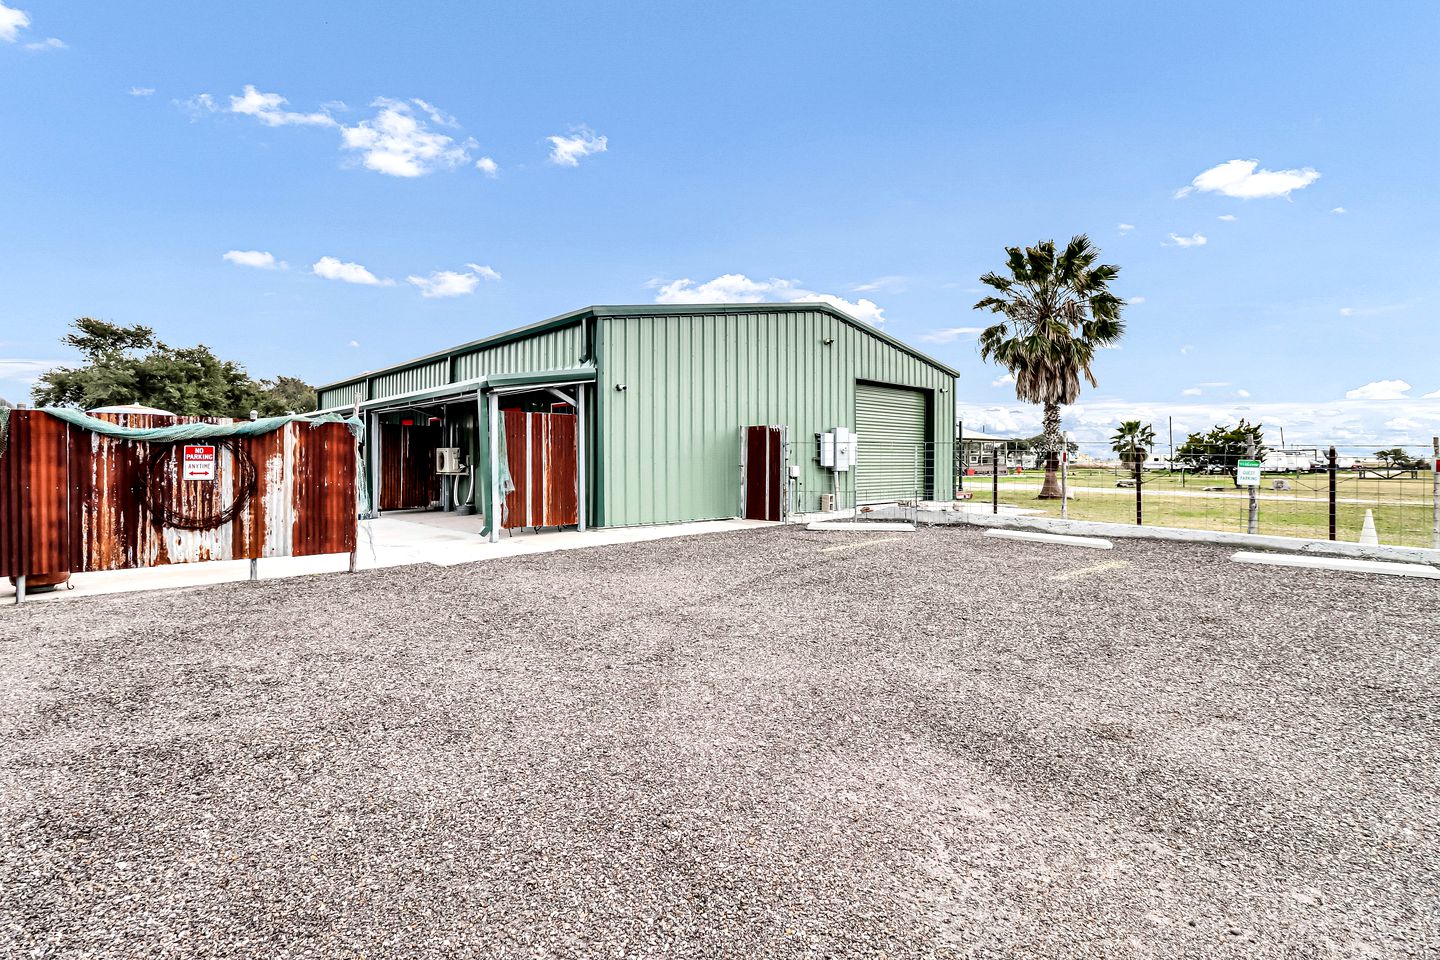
[199,463]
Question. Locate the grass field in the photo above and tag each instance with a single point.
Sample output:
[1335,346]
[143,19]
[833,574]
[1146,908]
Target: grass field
[1403,508]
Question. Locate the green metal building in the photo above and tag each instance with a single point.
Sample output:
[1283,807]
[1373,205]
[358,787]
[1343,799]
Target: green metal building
[662,395]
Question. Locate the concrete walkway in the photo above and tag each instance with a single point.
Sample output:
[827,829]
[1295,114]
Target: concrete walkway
[390,541]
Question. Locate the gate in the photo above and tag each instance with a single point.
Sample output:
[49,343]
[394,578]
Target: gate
[762,469]
[540,452]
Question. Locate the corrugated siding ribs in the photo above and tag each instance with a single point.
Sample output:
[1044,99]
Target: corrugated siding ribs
[79,501]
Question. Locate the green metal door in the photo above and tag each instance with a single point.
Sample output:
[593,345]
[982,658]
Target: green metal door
[892,460]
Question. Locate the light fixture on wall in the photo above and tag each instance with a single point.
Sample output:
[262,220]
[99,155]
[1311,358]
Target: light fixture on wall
[621,388]
[828,340]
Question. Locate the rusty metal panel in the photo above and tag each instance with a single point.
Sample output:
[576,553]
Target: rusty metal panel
[72,499]
[34,521]
[541,455]
[408,480]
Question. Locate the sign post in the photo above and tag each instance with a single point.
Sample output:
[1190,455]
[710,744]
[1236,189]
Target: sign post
[1247,474]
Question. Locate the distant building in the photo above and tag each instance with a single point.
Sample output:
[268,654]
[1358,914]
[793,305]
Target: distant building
[979,451]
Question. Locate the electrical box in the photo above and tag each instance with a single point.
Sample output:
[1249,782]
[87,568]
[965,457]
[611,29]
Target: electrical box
[447,460]
[839,449]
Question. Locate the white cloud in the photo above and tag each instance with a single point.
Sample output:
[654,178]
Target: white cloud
[398,143]
[1338,210]
[26,371]
[12,21]
[197,106]
[738,288]
[1352,425]
[1125,227]
[892,284]
[49,43]
[1227,217]
[1380,390]
[727,288]
[488,166]
[1194,240]
[1135,301]
[1241,179]
[354,343]
[950,334]
[867,311]
[1003,380]
[1191,392]
[142,91]
[332,269]
[450,283]
[259,259]
[1187,349]
[1432,396]
[1242,393]
[567,151]
[268,109]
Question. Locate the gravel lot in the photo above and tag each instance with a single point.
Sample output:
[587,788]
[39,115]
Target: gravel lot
[748,744]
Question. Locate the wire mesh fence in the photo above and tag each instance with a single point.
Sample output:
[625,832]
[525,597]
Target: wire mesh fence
[1368,493]
[1380,493]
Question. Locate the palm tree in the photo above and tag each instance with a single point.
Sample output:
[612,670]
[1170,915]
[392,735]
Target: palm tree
[1057,312]
[1133,441]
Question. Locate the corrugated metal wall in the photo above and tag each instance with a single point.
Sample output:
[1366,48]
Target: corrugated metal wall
[79,501]
[552,349]
[669,442]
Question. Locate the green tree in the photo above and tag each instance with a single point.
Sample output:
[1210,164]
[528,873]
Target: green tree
[1058,310]
[129,364]
[1397,458]
[1133,441]
[1222,448]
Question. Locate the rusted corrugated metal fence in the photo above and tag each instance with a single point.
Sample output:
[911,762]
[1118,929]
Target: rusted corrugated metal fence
[74,500]
[540,453]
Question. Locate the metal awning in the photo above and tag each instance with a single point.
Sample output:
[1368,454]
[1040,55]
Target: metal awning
[462,389]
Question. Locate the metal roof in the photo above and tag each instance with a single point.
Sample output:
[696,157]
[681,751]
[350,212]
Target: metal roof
[645,310]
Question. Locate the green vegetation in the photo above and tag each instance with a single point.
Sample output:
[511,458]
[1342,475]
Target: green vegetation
[1222,449]
[1058,311]
[1132,442]
[125,365]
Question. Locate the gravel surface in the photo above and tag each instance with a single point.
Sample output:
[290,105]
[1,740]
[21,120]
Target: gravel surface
[741,745]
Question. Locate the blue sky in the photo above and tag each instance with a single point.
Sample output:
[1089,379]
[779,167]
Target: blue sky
[518,160]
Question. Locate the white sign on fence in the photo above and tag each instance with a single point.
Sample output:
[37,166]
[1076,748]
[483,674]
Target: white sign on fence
[1248,474]
[199,463]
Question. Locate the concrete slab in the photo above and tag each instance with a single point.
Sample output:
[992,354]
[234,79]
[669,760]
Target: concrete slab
[1345,564]
[394,540]
[1092,543]
[861,526]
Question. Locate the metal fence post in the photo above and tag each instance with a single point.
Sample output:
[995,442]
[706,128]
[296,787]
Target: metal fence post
[1435,493]
[1139,510]
[994,480]
[1332,493]
[1064,476]
[1252,520]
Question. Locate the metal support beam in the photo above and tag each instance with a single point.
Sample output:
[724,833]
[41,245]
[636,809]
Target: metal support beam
[20,589]
[374,457]
[580,488]
[495,504]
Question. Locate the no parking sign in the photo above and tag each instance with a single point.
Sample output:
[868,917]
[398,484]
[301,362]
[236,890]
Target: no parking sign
[199,463]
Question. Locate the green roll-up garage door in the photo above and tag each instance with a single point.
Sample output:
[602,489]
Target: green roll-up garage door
[892,459]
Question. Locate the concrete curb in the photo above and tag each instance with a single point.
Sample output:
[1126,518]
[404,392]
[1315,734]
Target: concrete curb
[1094,528]
[1345,564]
[1091,543]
